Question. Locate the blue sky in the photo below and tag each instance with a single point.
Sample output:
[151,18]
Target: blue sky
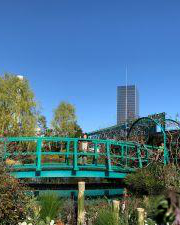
[77,51]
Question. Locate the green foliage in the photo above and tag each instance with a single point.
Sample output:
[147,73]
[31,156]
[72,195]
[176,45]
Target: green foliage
[42,124]
[106,217]
[34,214]
[154,180]
[163,213]
[48,221]
[13,200]
[17,107]
[128,211]
[92,207]
[64,120]
[167,211]
[78,131]
[171,177]
[50,206]
[68,213]
[150,222]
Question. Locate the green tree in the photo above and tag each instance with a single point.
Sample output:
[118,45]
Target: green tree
[64,120]
[18,115]
[78,131]
[42,124]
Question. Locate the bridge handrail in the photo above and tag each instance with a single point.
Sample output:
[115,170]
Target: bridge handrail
[23,139]
[72,150]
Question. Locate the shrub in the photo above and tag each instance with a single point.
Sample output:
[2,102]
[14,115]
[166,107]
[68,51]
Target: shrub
[171,176]
[98,210]
[128,210]
[106,217]
[68,212]
[50,206]
[92,207]
[13,200]
[149,181]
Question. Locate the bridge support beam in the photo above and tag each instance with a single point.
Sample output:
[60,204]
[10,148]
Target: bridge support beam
[81,210]
[115,205]
[141,216]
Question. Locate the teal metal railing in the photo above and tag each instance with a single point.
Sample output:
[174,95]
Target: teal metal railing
[42,156]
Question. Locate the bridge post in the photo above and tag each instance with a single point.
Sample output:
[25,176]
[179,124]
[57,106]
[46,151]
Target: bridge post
[126,154]
[166,155]
[116,207]
[141,216]
[38,152]
[108,156]
[75,156]
[5,149]
[122,151]
[67,153]
[124,160]
[96,154]
[139,156]
[147,155]
[81,211]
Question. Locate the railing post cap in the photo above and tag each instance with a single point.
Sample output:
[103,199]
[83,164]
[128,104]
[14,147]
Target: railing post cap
[116,202]
[81,185]
[140,210]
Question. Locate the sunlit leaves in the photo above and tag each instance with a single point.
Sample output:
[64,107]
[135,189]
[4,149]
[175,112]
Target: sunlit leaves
[18,114]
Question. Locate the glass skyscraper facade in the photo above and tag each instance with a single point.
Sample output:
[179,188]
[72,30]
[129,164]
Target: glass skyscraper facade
[127,103]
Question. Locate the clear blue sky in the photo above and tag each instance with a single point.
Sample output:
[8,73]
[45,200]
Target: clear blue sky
[77,50]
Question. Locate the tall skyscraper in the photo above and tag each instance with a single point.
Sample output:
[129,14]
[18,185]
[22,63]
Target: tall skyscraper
[127,103]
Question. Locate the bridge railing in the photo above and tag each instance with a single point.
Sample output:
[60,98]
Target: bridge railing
[48,153]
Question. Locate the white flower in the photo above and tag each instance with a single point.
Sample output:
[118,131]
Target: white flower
[29,218]
[123,207]
[52,222]
[24,223]
[30,224]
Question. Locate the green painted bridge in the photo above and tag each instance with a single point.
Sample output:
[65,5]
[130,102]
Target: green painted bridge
[46,157]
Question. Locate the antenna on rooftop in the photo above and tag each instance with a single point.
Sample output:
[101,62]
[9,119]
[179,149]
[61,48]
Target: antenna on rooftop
[126,99]
[126,90]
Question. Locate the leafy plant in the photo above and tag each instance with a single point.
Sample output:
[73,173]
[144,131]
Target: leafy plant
[68,212]
[50,206]
[147,181]
[171,176]
[168,209]
[106,217]
[93,206]
[13,203]
[128,211]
